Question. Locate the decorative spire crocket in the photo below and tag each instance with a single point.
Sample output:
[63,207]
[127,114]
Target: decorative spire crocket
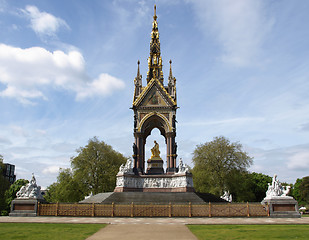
[172,83]
[138,82]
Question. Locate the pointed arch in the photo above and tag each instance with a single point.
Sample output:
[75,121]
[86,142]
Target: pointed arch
[154,120]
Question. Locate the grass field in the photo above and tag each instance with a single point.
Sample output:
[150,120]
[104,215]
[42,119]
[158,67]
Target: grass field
[49,231]
[250,231]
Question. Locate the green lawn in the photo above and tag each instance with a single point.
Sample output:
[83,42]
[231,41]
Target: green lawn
[49,231]
[250,231]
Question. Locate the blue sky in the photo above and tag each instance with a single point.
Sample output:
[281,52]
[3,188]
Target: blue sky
[67,71]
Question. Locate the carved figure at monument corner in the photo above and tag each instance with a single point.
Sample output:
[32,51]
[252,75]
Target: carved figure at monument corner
[182,167]
[275,189]
[278,203]
[227,196]
[126,168]
[31,190]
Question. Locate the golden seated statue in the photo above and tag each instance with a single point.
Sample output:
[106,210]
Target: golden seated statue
[155,152]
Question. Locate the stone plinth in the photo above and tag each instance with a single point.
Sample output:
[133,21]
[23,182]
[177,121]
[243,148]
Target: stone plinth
[282,206]
[155,166]
[181,182]
[24,208]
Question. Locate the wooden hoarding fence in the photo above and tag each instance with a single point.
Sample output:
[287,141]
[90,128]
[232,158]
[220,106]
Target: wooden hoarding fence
[154,210]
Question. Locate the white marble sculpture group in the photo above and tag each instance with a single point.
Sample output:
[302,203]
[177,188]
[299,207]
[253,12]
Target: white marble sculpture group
[123,180]
[30,191]
[276,190]
[227,196]
[157,182]
[126,168]
[183,168]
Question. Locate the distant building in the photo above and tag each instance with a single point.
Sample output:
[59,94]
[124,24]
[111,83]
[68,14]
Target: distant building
[9,172]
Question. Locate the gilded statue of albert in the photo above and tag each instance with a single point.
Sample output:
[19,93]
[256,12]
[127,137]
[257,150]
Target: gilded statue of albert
[155,150]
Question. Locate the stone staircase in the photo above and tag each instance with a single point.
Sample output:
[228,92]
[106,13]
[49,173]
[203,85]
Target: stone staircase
[152,198]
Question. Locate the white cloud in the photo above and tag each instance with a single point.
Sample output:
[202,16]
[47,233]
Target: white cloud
[43,23]
[291,162]
[299,160]
[142,8]
[240,26]
[18,131]
[104,84]
[51,169]
[5,141]
[27,72]
[41,132]
[231,121]
[3,6]
[21,95]
[304,127]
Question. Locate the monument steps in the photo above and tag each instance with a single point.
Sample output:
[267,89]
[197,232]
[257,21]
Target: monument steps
[152,198]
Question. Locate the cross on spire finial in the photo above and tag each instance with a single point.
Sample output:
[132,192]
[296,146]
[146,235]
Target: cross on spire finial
[155,12]
[138,73]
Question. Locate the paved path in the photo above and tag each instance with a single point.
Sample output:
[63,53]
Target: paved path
[160,221]
[144,231]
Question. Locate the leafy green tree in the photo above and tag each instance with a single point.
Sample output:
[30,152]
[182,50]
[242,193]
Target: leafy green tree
[304,189]
[96,166]
[296,192]
[216,163]
[10,194]
[240,186]
[4,185]
[259,185]
[245,186]
[66,189]
[300,191]
[93,170]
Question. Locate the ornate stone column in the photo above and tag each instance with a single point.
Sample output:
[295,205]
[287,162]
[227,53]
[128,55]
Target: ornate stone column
[171,156]
[139,164]
[167,153]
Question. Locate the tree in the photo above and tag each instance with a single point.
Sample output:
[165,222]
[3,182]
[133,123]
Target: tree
[66,189]
[10,194]
[93,170]
[304,189]
[4,185]
[259,185]
[296,191]
[96,166]
[239,185]
[300,191]
[245,186]
[217,164]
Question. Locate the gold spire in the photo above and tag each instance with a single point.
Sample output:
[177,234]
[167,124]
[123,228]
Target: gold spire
[155,60]
[155,12]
